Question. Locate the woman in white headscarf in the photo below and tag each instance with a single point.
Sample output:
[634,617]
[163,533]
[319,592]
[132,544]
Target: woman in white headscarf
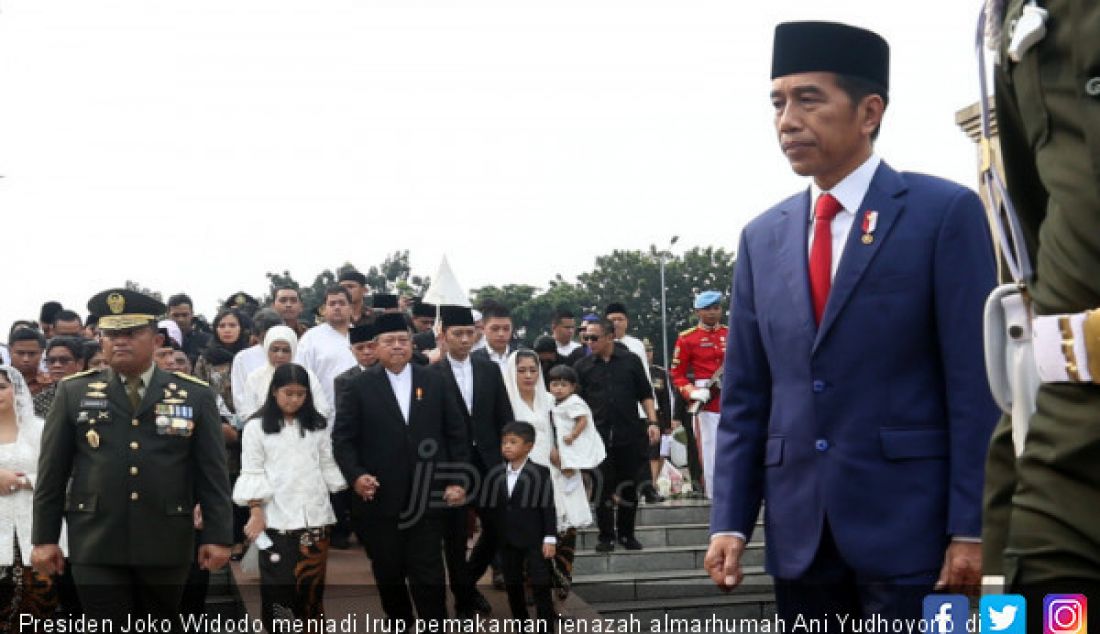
[532,403]
[280,344]
[22,591]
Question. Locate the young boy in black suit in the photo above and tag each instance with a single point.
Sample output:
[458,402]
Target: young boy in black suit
[523,499]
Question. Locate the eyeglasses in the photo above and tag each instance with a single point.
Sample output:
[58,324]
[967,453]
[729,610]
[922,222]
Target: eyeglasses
[59,360]
[590,338]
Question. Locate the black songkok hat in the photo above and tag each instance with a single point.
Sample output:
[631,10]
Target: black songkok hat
[384,301]
[456,316]
[614,307]
[359,334]
[546,343]
[808,47]
[390,322]
[423,309]
[351,275]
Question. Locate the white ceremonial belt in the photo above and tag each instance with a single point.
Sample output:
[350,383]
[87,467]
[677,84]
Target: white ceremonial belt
[1067,347]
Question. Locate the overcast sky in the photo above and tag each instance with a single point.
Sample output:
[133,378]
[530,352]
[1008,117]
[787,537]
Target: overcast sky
[193,145]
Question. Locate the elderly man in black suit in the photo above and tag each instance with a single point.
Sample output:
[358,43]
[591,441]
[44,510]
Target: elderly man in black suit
[400,441]
[477,386]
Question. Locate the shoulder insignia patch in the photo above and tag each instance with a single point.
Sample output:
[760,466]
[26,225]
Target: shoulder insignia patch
[79,374]
[193,379]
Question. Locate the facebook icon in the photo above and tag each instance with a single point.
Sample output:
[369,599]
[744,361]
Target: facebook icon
[946,613]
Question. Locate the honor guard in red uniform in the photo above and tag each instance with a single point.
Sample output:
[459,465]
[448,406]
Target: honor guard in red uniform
[696,372]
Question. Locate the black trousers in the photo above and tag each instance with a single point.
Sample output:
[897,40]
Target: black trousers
[408,560]
[463,574]
[830,589]
[116,592]
[516,561]
[618,473]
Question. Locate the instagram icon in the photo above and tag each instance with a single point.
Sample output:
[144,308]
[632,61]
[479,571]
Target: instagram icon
[1065,614]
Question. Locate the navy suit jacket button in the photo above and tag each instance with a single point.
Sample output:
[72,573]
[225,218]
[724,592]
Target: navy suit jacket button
[821,444]
[819,386]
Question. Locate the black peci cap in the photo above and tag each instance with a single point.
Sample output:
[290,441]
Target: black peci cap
[807,47]
[456,315]
[359,334]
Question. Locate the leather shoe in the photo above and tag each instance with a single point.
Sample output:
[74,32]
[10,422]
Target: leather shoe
[480,604]
[498,580]
[605,547]
[630,543]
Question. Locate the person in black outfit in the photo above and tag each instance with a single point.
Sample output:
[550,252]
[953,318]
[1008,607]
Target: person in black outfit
[613,383]
[477,387]
[521,495]
[397,435]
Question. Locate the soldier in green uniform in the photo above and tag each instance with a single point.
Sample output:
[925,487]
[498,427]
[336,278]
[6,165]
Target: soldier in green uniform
[126,454]
[1043,508]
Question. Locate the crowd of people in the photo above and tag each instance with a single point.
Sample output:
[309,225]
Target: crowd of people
[313,416]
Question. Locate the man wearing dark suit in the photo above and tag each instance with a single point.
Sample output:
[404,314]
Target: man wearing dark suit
[126,453]
[400,440]
[477,386]
[362,346]
[854,392]
[521,495]
[497,324]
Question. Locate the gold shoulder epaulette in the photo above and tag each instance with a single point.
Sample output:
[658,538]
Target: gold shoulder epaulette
[688,331]
[193,379]
[79,374]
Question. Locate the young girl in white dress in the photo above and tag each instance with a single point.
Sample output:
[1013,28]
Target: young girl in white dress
[579,444]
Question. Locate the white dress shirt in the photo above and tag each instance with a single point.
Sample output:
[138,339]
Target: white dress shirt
[464,376]
[513,477]
[636,346]
[327,352]
[849,192]
[245,363]
[293,475]
[402,385]
[567,349]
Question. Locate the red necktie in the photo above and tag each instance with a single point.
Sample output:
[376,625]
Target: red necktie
[821,254]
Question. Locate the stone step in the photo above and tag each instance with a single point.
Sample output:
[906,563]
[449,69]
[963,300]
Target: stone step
[590,562]
[653,536]
[662,584]
[662,535]
[655,614]
[673,512]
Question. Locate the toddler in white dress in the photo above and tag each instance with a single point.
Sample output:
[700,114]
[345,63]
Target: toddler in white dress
[578,443]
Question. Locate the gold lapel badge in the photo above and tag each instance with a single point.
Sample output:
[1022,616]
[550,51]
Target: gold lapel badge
[870,221]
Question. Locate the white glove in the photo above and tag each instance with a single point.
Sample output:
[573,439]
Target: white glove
[700,394]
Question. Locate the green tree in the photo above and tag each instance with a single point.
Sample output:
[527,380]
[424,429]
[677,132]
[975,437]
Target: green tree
[393,275]
[634,279]
[131,285]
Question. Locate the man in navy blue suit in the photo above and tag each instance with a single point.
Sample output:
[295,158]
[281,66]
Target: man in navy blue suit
[854,394]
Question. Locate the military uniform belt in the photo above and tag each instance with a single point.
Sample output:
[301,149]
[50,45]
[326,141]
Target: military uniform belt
[1067,347]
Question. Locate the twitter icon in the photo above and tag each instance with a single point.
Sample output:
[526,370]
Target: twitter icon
[1004,614]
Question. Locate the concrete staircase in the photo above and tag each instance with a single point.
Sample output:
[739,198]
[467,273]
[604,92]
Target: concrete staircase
[667,577]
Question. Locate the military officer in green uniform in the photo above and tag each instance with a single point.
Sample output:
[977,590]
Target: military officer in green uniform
[1043,508]
[126,454]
